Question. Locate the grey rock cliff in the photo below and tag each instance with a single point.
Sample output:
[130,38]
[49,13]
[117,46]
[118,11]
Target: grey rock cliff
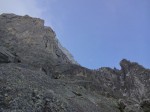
[36,75]
[66,52]
[30,39]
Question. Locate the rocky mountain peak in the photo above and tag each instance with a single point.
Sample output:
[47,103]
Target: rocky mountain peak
[31,34]
[128,66]
[38,75]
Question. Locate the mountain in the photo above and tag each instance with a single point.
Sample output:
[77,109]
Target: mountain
[38,75]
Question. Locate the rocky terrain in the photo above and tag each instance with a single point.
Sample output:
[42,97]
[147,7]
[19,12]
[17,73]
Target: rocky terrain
[38,75]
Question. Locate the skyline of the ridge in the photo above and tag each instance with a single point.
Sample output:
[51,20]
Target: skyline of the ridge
[97,32]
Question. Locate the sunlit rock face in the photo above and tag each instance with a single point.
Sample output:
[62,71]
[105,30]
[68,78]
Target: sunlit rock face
[30,39]
[38,75]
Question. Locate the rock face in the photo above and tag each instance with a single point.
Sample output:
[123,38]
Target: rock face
[36,75]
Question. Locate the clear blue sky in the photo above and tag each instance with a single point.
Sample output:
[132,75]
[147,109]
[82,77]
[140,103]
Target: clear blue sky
[97,32]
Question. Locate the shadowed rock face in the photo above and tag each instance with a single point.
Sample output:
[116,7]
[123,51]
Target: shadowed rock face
[37,76]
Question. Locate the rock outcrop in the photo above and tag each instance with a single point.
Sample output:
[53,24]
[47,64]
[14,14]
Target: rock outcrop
[36,75]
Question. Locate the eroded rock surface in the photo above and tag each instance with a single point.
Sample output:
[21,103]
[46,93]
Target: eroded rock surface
[37,76]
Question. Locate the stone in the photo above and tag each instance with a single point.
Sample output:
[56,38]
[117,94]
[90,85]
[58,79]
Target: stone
[7,57]
[38,75]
